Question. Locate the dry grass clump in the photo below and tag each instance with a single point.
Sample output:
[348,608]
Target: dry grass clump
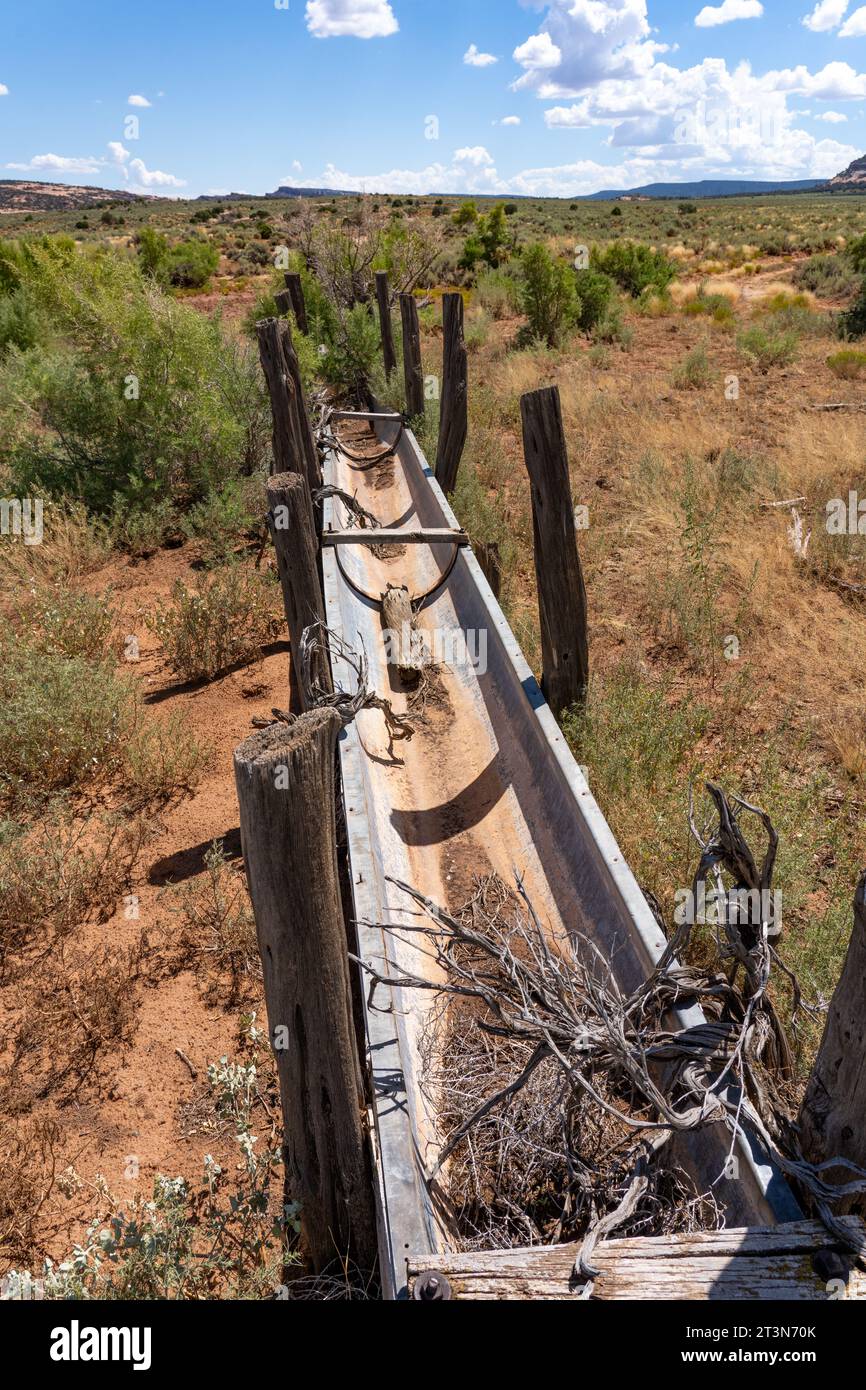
[217,928]
[220,621]
[60,872]
[73,545]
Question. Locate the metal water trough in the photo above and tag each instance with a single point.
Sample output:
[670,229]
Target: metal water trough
[500,786]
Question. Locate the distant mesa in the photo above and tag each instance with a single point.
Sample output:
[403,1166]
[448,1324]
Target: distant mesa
[852,177]
[30,195]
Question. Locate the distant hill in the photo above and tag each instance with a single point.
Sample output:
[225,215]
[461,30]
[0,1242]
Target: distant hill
[854,177]
[705,188]
[29,195]
[284,191]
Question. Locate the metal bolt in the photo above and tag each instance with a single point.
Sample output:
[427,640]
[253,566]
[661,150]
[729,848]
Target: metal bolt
[430,1286]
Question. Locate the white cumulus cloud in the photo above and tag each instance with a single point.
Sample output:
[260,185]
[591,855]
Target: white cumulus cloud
[359,19]
[118,153]
[473,154]
[137,100]
[855,27]
[729,10]
[473,59]
[832,117]
[510,120]
[826,15]
[4,90]
[60,164]
[153,178]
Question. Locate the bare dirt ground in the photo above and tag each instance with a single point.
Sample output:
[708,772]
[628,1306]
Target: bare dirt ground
[146,1113]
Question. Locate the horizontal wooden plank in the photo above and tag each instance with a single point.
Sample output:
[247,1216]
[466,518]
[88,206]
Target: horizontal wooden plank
[744,1264]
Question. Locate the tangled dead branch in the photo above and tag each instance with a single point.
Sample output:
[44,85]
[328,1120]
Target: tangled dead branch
[348,704]
[558,1094]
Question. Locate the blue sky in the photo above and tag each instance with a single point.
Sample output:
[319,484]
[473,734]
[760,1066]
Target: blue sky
[411,95]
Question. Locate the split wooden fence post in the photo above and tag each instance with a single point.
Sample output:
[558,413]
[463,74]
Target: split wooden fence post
[487,555]
[412,369]
[299,304]
[292,527]
[294,446]
[454,404]
[561,590]
[833,1116]
[386,328]
[285,786]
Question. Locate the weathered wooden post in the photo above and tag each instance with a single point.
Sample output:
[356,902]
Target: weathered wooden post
[386,327]
[292,527]
[487,555]
[294,445]
[561,590]
[412,369]
[454,404]
[833,1116]
[285,785]
[299,304]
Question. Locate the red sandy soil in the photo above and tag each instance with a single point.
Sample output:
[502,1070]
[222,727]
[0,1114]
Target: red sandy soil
[139,1109]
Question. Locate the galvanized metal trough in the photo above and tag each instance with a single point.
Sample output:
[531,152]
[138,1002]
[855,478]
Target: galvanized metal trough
[491,785]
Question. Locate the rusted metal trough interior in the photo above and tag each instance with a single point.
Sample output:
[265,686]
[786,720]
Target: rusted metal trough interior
[489,785]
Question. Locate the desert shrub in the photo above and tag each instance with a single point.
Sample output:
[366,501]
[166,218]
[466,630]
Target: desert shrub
[226,517]
[477,330]
[143,528]
[498,293]
[487,242]
[856,253]
[848,364]
[350,357]
[595,292]
[21,324]
[65,722]
[184,264]
[611,328]
[766,349]
[654,303]
[633,266]
[695,371]
[465,215]
[163,761]
[71,624]
[549,297]
[190,264]
[715,306]
[219,621]
[136,395]
[852,324]
[826,276]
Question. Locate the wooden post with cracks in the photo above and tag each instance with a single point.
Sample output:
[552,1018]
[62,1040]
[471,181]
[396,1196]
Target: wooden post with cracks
[412,369]
[292,527]
[286,793]
[833,1116]
[294,446]
[454,404]
[561,590]
[386,328]
[299,304]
